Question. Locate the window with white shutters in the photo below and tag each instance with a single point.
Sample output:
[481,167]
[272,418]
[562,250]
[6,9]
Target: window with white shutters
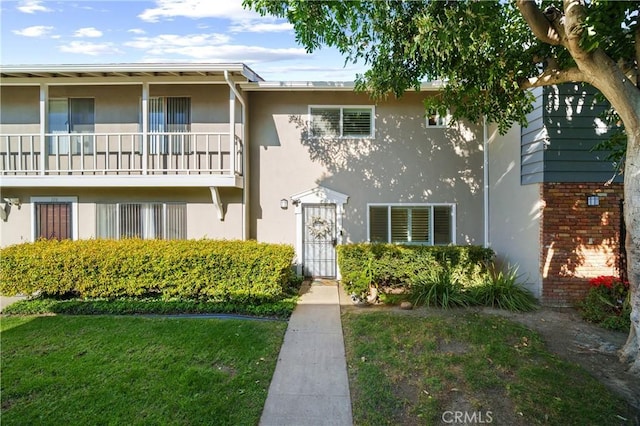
[142,220]
[341,121]
[412,224]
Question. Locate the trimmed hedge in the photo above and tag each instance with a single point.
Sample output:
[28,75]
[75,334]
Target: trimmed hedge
[362,265]
[244,271]
[146,306]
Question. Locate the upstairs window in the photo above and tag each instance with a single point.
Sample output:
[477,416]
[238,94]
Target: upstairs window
[169,115]
[412,224]
[68,118]
[437,120]
[342,121]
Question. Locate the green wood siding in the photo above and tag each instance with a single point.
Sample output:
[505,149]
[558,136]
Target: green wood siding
[563,129]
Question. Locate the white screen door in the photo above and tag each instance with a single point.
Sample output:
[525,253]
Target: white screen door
[319,240]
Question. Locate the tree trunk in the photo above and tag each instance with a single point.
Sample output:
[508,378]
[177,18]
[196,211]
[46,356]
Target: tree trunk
[630,353]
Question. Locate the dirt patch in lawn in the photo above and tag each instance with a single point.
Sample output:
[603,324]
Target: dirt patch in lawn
[565,334]
[594,348]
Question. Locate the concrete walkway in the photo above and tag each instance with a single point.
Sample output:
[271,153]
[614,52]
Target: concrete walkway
[310,385]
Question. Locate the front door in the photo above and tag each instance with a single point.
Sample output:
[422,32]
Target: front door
[319,240]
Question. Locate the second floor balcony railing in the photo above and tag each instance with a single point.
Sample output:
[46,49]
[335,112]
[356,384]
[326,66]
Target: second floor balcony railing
[120,154]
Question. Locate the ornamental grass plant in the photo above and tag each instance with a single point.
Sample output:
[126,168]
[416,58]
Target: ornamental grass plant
[439,287]
[502,289]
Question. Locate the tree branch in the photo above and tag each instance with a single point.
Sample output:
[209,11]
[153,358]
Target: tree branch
[553,76]
[574,15]
[538,22]
[637,40]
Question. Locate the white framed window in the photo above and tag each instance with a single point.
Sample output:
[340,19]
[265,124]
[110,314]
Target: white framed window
[69,117]
[353,121]
[141,220]
[437,120]
[54,218]
[426,224]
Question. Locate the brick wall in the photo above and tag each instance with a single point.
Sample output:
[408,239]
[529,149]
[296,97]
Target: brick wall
[579,242]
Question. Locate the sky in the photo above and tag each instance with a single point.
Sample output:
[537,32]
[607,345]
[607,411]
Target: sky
[158,31]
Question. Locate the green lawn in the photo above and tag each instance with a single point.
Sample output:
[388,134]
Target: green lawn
[413,370]
[82,370]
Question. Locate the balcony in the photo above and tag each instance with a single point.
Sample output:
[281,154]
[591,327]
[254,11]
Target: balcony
[121,159]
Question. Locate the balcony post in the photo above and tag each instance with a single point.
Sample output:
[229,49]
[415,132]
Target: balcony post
[145,126]
[44,107]
[232,131]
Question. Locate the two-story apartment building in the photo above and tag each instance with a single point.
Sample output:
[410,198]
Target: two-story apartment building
[213,151]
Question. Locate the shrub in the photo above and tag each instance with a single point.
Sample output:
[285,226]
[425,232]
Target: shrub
[607,303]
[500,289]
[362,265]
[243,271]
[437,287]
[149,306]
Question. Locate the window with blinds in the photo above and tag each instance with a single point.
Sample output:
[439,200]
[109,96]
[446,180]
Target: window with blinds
[349,122]
[169,115]
[411,224]
[142,220]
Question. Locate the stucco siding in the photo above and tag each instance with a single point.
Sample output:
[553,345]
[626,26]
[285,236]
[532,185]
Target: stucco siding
[19,109]
[202,218]
[515,210]
[405,163]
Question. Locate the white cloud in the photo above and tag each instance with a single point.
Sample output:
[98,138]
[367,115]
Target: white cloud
[89,48]
[226,53]
[195,9]
[88,32]
[254,26]
[242,20]
[32,6]
[210,48]
[238,53]
[35,31]
[136,31]
[163,41]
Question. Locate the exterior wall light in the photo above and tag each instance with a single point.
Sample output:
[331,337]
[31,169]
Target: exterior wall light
[284,204]
[593,200]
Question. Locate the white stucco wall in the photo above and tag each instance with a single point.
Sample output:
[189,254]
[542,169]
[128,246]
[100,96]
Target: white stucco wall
[202,218]
[514,209]
[405,163]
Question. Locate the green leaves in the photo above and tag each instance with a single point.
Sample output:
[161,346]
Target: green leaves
[196,269]
[483,50]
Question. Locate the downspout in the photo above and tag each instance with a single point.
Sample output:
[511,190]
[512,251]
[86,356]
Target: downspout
[245,156]
[485,179]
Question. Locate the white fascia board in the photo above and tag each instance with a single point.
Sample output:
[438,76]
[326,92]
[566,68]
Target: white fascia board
[122,68]
[111,70]
[78,181]
[330,86]
[106,81]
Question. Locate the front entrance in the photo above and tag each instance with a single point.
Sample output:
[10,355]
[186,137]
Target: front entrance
[319,240]
[319,218]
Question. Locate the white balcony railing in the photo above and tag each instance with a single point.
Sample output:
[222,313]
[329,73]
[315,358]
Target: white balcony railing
[120,154]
